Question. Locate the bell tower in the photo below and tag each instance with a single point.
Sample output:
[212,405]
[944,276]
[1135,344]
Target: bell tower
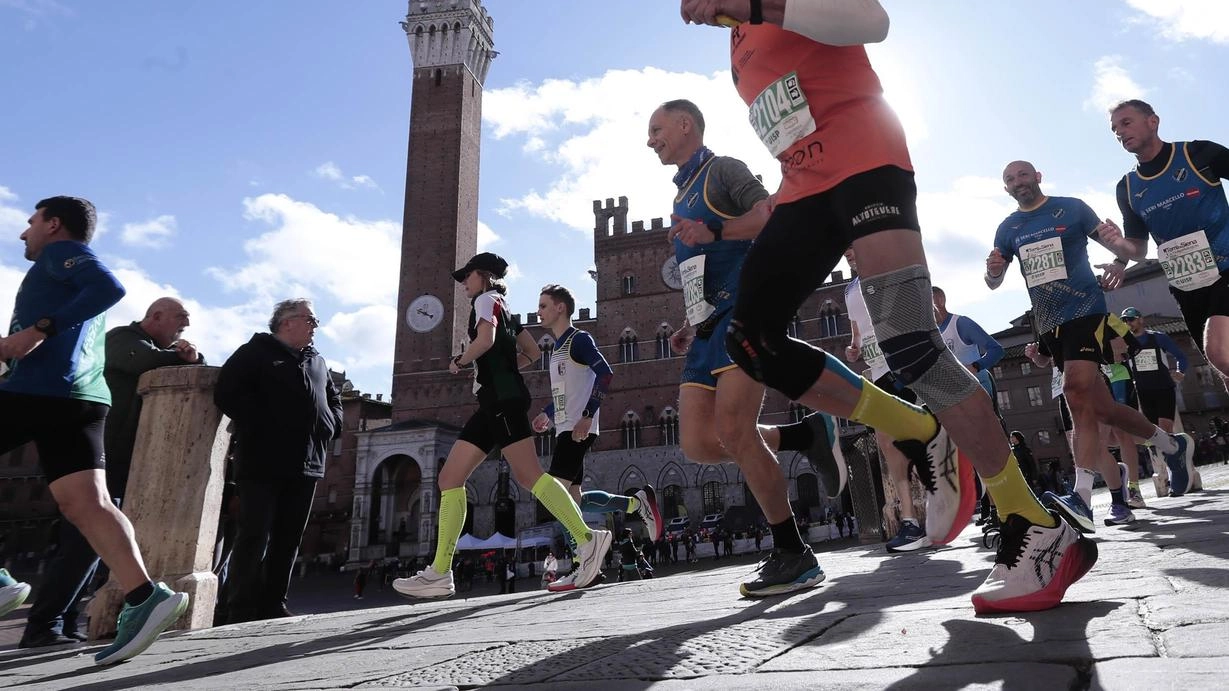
[451,44]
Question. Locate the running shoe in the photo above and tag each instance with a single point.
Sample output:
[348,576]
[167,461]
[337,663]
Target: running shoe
[1135,499]
[12,592]
[426,584]
[1034,566]
[784,572]
[648,512]
[948,480]
[1123,488]
[1120,514]
[910,537]
[139,626]
[1181,465]
[825,454]
[1072,508]
[590,555]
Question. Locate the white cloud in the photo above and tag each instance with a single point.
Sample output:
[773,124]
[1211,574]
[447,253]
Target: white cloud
[329,171]
[310,251]
[486,237]
[1185,19]
[12,217]
[155,232]
[368,335]
[1111,84]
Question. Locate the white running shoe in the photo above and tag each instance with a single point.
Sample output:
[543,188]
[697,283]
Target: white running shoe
[1034,566]
[426,584]
[648,512]
[591,554]
[950,489]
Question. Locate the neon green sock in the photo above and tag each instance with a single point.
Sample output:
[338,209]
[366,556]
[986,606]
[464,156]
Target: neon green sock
[1011,495]
[561,505]
[452,519]
[893,416]
[632,504]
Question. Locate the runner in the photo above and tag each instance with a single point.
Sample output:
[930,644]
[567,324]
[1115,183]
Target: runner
[497,347]
[1154,380]
[1050,236]
[579,379]
[817,104]
[719,208]
[1175,195]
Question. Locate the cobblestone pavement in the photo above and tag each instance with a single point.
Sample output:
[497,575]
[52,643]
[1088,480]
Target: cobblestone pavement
[1153,613]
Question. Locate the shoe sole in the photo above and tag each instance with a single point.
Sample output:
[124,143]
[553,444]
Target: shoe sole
[829,455]
[652,495]
[1187,466]
[920,543]
[442,595]
[1077,561]
[1082,523]
[1112,522]
[792,587]
[604,539]
[968,501]
[165,613]
[16,595]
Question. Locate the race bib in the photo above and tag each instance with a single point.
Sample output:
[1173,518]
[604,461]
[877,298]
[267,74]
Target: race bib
[1145,361]
[781,115]
[871,353]
[1056,383]
[1107,371]
[1188,261]
[692,273]
[1043,262]
[560,397]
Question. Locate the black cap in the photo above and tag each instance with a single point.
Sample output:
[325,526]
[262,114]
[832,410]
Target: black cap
[485,261]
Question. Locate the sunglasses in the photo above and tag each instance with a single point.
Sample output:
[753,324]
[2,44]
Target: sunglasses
[309,318]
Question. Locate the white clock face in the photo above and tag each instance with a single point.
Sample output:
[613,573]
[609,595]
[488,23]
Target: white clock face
[670,273]
[425,313]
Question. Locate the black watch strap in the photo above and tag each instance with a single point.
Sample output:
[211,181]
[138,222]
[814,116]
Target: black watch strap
[46,325]
[757,12]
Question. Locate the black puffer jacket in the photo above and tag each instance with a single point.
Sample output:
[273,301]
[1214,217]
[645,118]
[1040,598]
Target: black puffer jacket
[284,406]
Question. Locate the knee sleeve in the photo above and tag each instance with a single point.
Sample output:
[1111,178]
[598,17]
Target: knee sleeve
[901,305]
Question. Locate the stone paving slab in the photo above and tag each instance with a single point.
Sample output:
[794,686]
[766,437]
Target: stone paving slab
[1153,613]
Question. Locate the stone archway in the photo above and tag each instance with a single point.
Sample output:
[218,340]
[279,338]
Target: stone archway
[396,493]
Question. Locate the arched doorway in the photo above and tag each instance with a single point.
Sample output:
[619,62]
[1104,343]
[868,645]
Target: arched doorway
[395,501]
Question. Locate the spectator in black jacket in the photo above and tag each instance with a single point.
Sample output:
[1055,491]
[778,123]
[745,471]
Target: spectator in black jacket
[277,391]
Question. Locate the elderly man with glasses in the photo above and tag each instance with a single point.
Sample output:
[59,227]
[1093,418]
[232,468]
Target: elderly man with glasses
[276,388]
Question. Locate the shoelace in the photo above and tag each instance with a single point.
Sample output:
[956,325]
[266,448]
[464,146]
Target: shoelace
[915,451]
[1014,535]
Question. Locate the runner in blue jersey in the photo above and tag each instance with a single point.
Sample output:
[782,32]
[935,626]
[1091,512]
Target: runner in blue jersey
[55,395]
[1050,236]
[1175,195]
[720,207]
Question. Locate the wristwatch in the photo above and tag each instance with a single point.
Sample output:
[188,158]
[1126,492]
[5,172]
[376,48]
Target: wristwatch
[46,325]
[715,227]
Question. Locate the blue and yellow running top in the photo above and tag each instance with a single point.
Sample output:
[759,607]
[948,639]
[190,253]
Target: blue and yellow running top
[1052,244]
[70,286]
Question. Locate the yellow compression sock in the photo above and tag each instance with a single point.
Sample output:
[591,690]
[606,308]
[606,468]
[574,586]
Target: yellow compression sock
[1011,495]
[452,519]
[893,416]
[557,500]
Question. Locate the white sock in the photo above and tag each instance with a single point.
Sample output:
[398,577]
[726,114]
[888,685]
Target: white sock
[1083,484]
[1163,441]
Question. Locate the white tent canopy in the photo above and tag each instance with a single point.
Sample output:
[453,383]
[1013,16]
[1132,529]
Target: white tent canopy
[500,541]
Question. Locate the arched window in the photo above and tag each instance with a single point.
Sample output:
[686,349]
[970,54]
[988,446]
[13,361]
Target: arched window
[828,319]
[669,427]
[671,502]
[797,412]
[808,496]
[794,327]
[629,346]
[663,341]
[547,344]
[545,442]
[630,427]
[629,284]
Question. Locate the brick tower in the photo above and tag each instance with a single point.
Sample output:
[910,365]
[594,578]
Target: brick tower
[451,46]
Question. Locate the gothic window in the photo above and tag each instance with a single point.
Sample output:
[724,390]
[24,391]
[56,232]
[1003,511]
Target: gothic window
[794,327]
[797,412]
[712,497]
[663,341]
[807,485]
[829,320]
[669,427]
[630,428]
[629,284]
[547,344]
[629,346]
[545,443]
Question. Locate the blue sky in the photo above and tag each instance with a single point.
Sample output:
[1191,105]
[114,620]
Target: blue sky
[242,153]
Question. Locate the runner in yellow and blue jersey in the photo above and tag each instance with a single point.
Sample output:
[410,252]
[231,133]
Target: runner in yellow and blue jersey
[1050,236]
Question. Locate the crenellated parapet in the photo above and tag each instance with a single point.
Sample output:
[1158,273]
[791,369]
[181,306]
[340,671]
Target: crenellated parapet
[448,33]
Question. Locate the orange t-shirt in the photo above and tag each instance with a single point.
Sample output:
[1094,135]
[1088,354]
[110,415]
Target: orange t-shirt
[818,108]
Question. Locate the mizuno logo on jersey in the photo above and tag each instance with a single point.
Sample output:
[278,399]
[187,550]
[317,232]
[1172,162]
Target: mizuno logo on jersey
[1059,213]
[691,201]
[1180,174]
[1140,194]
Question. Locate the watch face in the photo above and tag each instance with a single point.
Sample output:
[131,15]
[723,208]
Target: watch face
[670,273]
[425,313]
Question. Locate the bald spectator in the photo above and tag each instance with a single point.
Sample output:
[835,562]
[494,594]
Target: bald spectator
[155,341]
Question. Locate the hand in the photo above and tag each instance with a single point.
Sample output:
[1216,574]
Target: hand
[1030,351]
[187,351]
[541,423]
[680,341]
[689,232]
[453,367]
[1177,376]
[995,264]
[972,370]
[1112,275]
[1108,233]
[852,353]
[707,11]
[20,344]
[581,430]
